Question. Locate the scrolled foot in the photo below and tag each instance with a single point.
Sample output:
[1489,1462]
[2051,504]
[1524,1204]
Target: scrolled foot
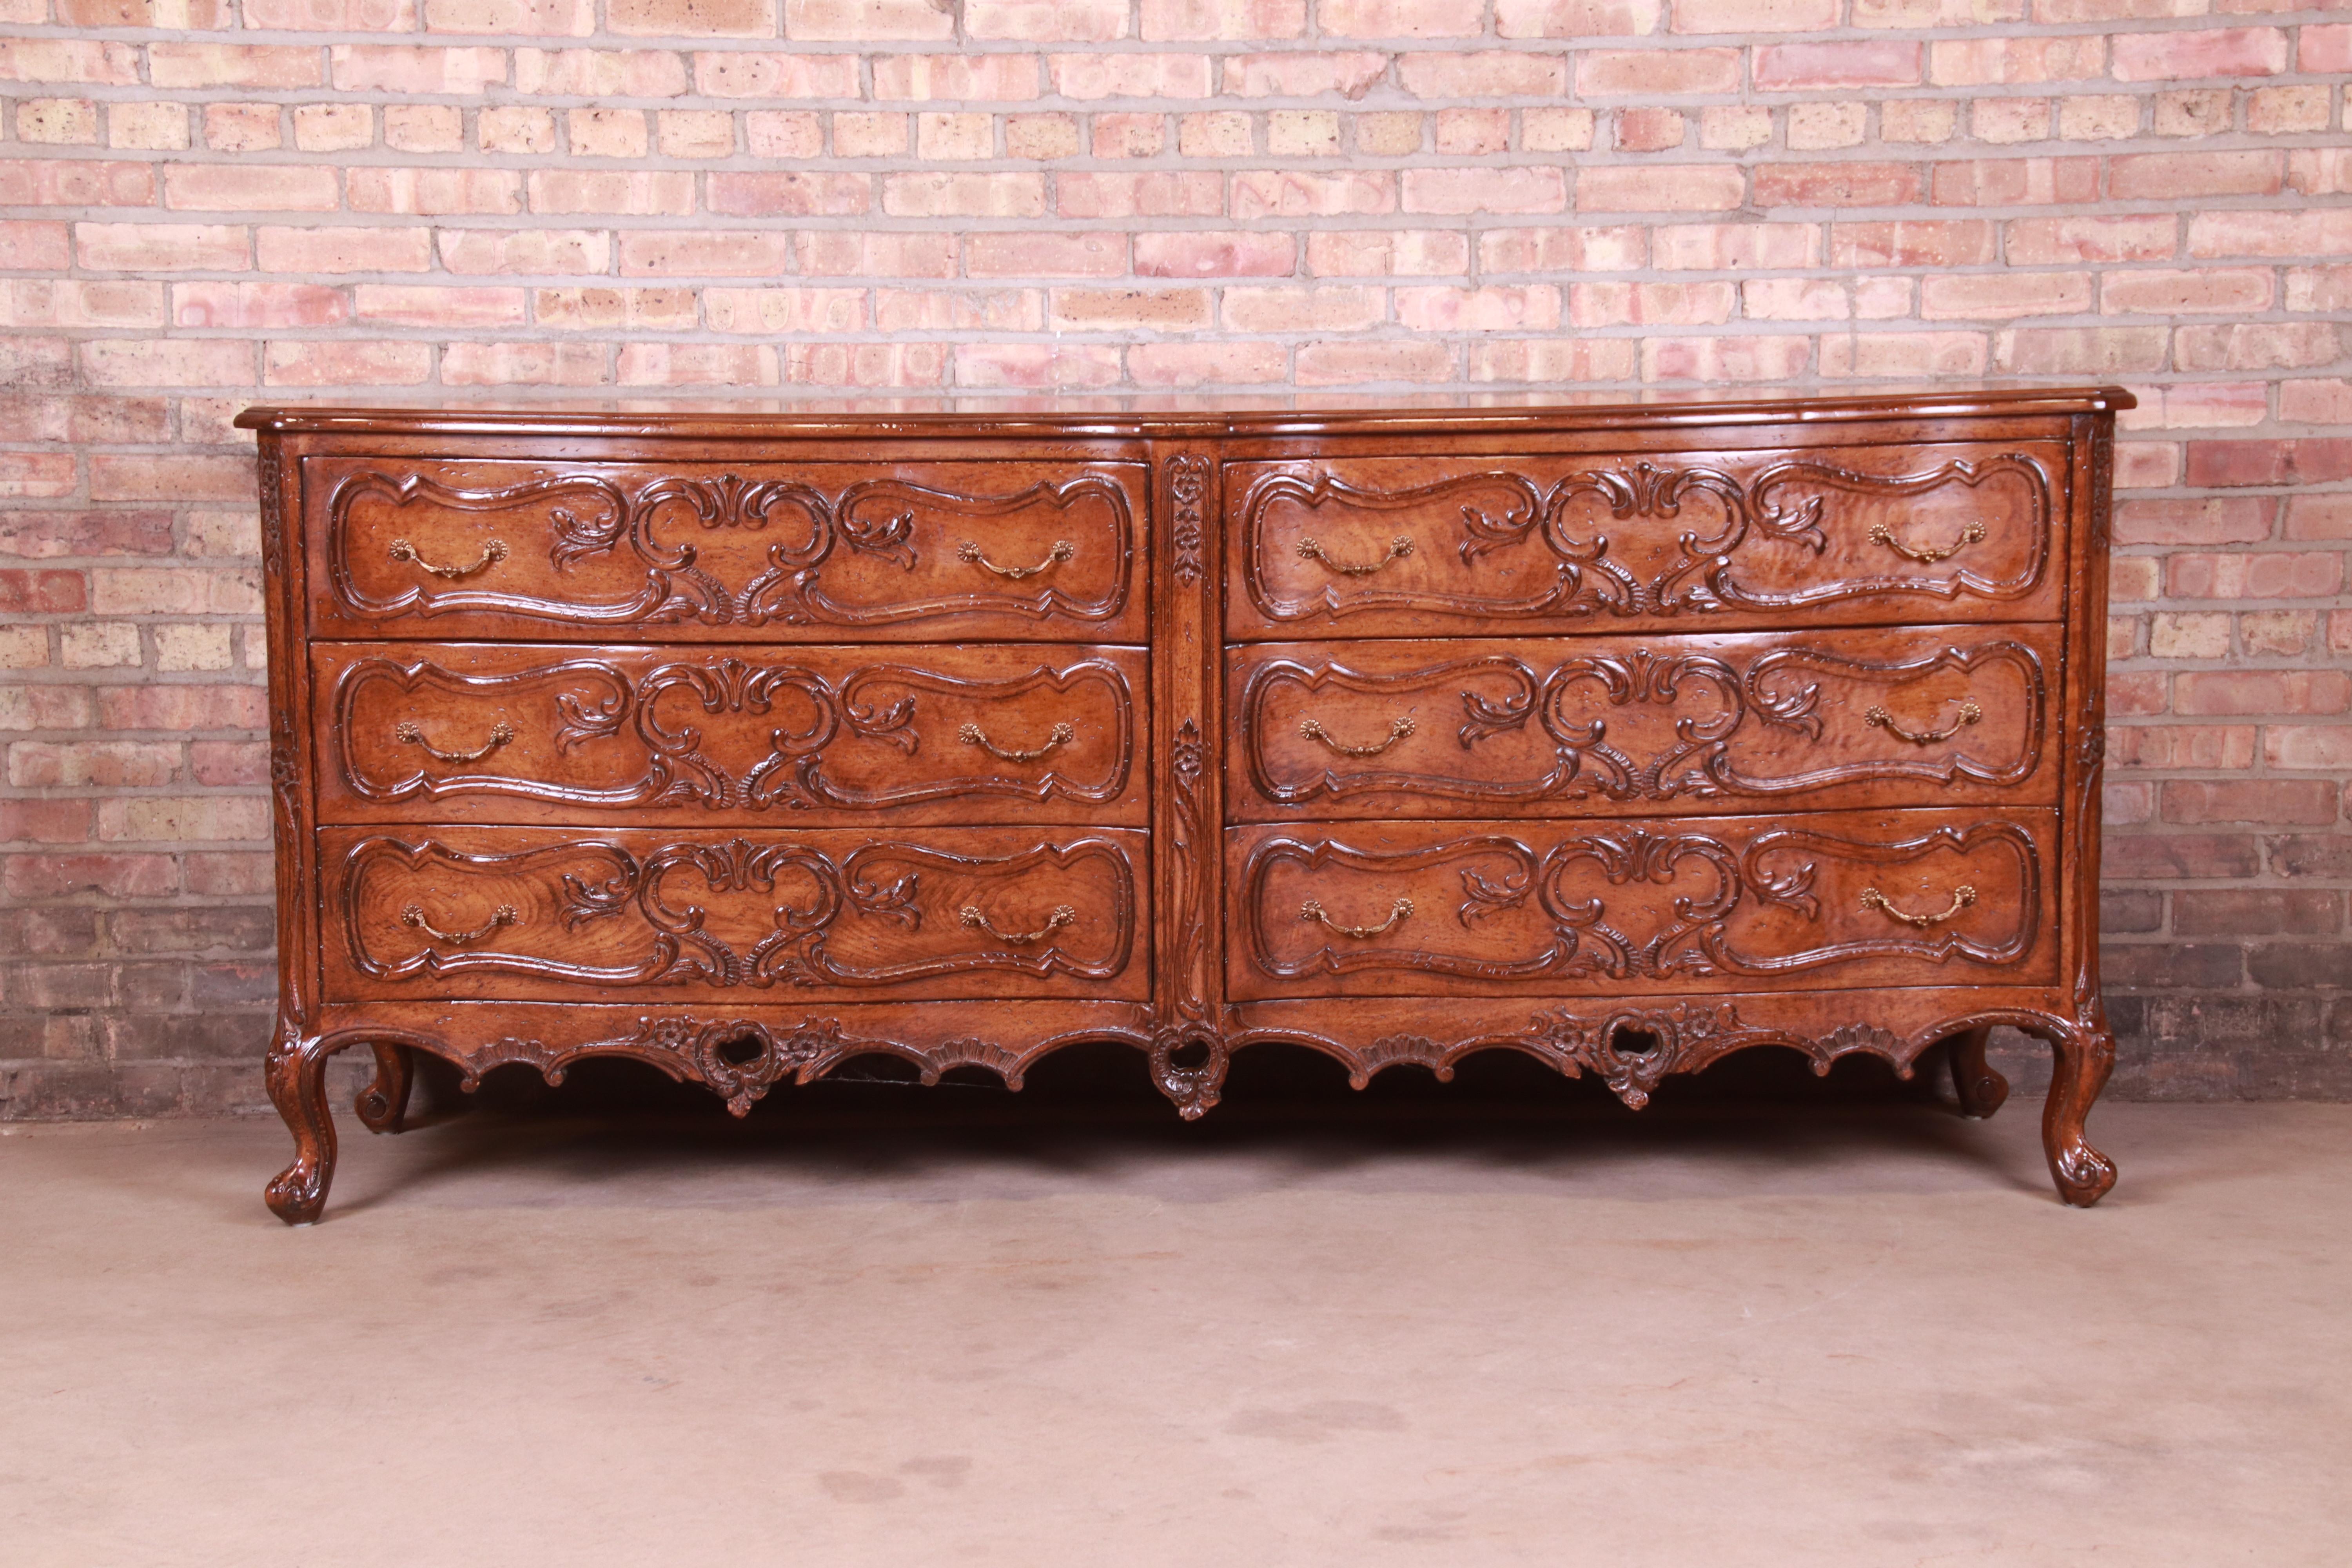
[2086,1055]
[1982,1089]
[297,1073]
[383,1105]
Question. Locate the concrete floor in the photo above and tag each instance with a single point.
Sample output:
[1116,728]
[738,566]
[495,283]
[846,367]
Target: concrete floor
[1782,1334]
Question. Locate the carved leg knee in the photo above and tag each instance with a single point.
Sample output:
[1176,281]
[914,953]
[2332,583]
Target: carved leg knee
[1982,1089]
[2086,1056]
[383,1105]
[297,1073]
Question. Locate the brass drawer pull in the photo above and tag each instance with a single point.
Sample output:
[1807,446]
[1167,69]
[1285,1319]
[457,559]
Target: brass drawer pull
[501,734]
[1063,550]
[1398,912]
[1970,714]
[972,735]
[1399,728]
[504,915]
[1962,897]
[493,551]
[1972,534]
[1062,915]
[1399,548]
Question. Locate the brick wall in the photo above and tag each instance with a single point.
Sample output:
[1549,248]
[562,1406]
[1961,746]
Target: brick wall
[209,201]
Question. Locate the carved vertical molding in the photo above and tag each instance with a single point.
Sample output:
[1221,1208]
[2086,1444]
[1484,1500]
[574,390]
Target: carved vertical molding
[291,815]
[2087,758]
[1188,1054]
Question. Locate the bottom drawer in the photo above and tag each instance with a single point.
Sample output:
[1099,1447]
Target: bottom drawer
[1838,898]
[648,915]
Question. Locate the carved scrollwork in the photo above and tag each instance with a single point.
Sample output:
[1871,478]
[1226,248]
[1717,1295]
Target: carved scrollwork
[653,714]
[1787,502]
[1711,925]
[1186,758]
[1188,1062]
[661,904]
[589,516]
[1711,751]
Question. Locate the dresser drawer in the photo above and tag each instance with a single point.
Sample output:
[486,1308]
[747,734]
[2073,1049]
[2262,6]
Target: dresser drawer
[539,913]
[407,547]
[1396,546]
[1842,898]
[474,732]
[1612,726]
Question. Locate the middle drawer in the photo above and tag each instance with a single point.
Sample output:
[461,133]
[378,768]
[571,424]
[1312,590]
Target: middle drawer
[507,733]
[1567,727]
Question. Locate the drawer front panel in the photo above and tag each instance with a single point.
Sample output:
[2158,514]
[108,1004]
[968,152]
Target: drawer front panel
[542,914]
[1847,898]
[1612,726]
[407,547]
[1398,546]
[691,734]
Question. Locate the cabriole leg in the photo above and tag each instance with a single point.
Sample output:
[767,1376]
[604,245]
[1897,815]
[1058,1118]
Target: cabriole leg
[382,1105]
[297,1071]
[2086,1055]
[1981,1088]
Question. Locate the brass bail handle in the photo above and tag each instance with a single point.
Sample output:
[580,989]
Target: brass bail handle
[970,552]
[1398,912]
[1062,734]
[1969,713]
[493,551]
[1062,915]
[408,734]
[1962,897]
[1399,728]
[414,917]
[1399,548]
[1927,556]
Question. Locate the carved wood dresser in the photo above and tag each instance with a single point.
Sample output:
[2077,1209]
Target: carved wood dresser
[1624,737]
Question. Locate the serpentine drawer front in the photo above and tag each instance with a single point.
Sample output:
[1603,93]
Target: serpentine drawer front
[1623,737]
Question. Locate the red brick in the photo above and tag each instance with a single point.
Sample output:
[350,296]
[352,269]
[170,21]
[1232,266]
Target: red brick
[345,363]
[2167,292]
[106,875]
[1205,21]
[1283,192]
[2004,295]
[1912,242]
[2080,351]
[1195,364]
[42,592]
[2255,911]
[2015,182]
[1479,190]
[689,253]
[178,479]
[1397,19]
[34,474]
[2312,460]
[75,183]
[1733,246]
[32,246]
[2256,345]
[1716,360]
[1329,363]
[1694,187]
[1304,75]
[1003,254]
[1837,184]
[692,18]
[2188,56]
[2216,521]
[48,60]
[210,65]
[787,195]
[1652,73]
[1209,253]
[1482,73]
[247,305]
[439,305]
[301,250]
[1973,62]
[1804,68]
[1039,365]
[38,535]
[2267,576]
[2287,802]
[2222,692]
[2292,235]
[396,68]
[1575,18]
[162,246]
[2042,241]
[2169,177]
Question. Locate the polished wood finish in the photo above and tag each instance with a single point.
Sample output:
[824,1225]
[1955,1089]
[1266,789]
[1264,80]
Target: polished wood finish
[1622,736]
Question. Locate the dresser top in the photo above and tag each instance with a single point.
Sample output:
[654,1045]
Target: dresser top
[1271,416]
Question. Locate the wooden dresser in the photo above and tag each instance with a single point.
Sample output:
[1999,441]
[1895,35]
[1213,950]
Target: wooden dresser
[1622,736]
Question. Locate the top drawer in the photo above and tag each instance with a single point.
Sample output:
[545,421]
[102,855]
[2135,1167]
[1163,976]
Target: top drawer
[1433,545]
[592,550]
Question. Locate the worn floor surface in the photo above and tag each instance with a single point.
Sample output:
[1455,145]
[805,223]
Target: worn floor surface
[1782,1334]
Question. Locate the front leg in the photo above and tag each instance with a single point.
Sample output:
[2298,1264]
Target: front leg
[1980,1088]
[2085,1053]
[297,1075]
[383,1105]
